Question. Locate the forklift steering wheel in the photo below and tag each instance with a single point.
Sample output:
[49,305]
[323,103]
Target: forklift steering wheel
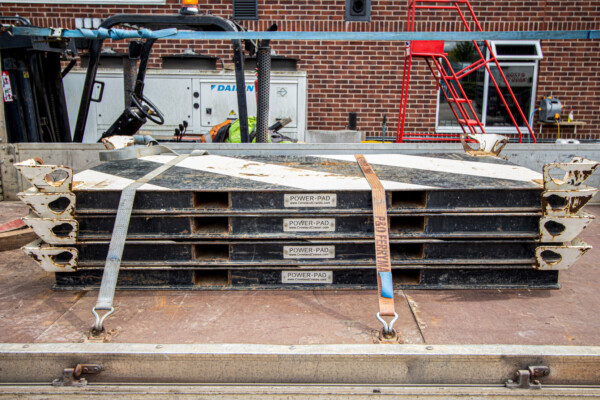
[148,109]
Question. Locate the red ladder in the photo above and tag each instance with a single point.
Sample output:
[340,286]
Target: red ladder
[448,81]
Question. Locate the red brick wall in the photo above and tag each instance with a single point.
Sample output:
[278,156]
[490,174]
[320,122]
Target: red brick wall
[365,76]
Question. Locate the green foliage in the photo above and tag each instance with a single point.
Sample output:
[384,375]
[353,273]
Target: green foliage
[463,52]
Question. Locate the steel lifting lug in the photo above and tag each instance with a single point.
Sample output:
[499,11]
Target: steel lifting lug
[490,145]
[526,378]
[72,376]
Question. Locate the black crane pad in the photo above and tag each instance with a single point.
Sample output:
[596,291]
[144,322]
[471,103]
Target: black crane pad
[276,222]
[327,184]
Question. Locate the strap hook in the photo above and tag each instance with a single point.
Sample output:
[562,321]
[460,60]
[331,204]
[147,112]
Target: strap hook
[99,322]
[387,328]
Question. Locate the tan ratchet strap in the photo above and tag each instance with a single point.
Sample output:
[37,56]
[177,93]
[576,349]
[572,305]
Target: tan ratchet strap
[112,266]
[382,241]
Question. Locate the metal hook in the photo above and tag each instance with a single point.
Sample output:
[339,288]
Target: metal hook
[387,328]
[98,323]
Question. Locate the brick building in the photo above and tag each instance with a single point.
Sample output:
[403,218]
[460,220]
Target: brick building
[365,77]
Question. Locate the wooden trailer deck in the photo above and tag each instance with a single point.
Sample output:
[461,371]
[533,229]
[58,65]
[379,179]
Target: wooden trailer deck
[31,312]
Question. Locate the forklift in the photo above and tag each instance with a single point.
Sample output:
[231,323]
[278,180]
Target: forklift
[140,109]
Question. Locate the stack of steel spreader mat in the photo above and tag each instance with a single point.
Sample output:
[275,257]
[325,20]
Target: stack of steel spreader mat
[204,221]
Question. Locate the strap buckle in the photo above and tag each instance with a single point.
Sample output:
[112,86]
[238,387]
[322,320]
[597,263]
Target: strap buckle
[99,322]
[387,328]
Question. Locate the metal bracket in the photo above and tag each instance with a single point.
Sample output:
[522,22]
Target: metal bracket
[56,32]
[526,378]
[46,178]
[53,259]
[54,231]
[489,144]
[117,142]
[72,376]
[103,336]
[576,172]
[566,202]
[563,229]
[49,205]
[552,258]
[379,337]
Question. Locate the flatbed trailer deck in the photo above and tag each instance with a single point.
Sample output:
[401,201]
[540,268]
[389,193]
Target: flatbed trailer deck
[43,331]
[34,313]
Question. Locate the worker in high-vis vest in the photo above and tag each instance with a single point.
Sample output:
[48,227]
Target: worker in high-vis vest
[228,131]
[218,133]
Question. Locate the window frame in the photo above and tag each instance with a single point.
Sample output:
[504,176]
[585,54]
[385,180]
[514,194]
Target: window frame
[535,43]
[504,61]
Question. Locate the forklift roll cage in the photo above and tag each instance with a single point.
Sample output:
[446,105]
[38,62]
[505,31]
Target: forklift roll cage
[209,23]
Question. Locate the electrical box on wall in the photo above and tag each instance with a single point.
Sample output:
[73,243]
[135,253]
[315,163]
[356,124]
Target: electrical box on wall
[358,10]
[203,99]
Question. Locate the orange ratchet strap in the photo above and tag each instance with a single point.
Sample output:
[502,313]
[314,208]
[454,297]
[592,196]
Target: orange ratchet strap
[382,246]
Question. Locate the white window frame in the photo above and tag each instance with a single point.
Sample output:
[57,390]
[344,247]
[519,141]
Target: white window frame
[128,2]
[536,43]
[532,61]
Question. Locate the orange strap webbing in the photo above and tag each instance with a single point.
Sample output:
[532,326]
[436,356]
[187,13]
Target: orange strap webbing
[382,241]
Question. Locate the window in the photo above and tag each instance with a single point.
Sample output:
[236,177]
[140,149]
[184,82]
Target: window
[511,50]
[519,63]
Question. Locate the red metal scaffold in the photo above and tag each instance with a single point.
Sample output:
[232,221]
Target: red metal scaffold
[448,81]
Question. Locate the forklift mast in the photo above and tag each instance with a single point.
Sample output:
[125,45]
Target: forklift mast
[34,100]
